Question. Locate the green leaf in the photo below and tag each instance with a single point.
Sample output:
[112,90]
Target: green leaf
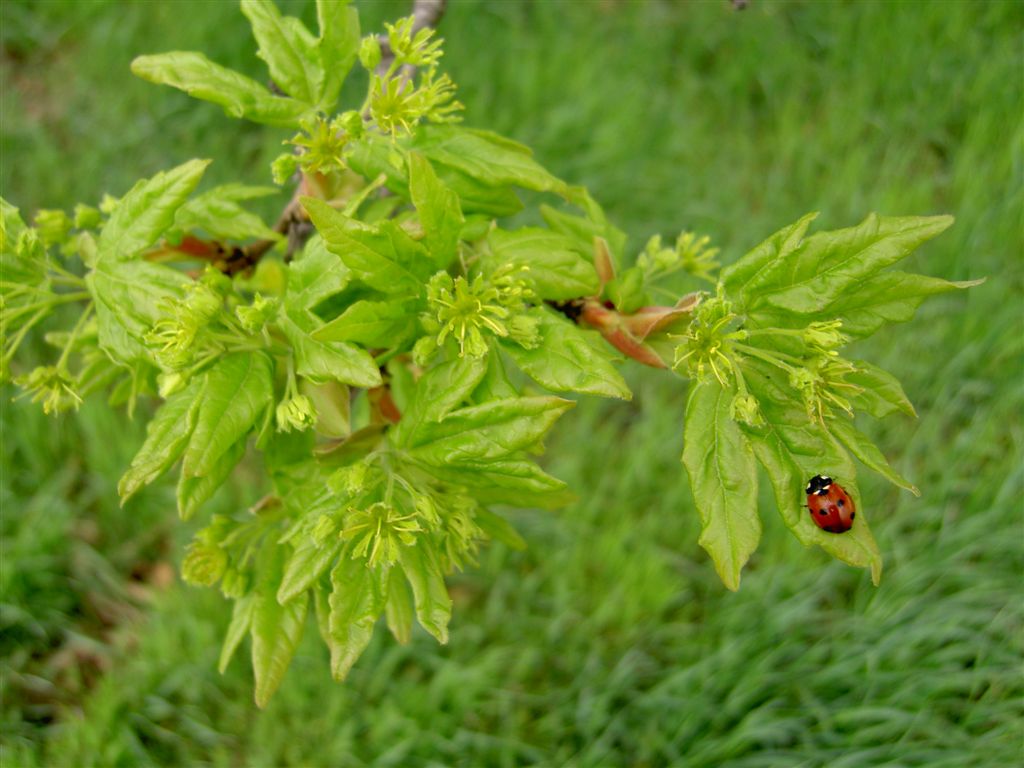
[276,631]
[891,297]
[438,210]
[147,211]
[382,256]
[793,449]
[743,277]
[517,482]
[287,47]
[357,598]
[241,621]
[438,391]
[315,275]
[384,324]
[828,265]
[399,608]
[336,49]
[239,390]
[193,492]
[882,395]
[583,230]
[499,529]
[723,476]
[128,297]
[423,570]
[493,430]
[218,213]
[307,563]
[868,453]
[487,157]
[166,436]
[569,359]
[555,268]
[201,78]
[372,156]
[333,407]
[322,361]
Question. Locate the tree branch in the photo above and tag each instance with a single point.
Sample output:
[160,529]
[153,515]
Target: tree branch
[293,223]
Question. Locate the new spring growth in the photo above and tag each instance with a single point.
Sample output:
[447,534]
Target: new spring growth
[707,346]
[416,50]
[396,106]
[825,337]
[471,311]
[52,386]
[822,385]
[175,335]
[53,226]
[379,532]
[691,254]
[204,564]
[324,143]
[254,316]
[462,534]
[746,410]
[296,412]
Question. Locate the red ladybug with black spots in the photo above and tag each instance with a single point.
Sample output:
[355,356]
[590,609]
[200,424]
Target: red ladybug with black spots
[831,507]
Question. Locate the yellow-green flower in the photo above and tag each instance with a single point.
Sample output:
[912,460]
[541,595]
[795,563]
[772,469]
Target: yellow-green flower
[379,532]
[51,386]
[296,413]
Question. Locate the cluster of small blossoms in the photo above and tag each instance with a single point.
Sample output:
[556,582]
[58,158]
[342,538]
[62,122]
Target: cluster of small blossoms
[207,561]
[295,412]
[379,531]
[707,345]
[691,254]
[395,103]
[175,337]
[322,146]
[469,311]
[51,385]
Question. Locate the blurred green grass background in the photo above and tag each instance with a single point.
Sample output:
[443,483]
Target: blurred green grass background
[609,641]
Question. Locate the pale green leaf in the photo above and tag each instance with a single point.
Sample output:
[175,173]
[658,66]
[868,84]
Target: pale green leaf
[322,361]
[489,431]
[287,47]
[882,395]
[239,390]
[723,477]
[382,256]
[383,324]
[167,433]
[513,481]
[357,600]
[399,608]
[194,491]
[438,209]
[491,159]
[827,265]
[128,299]
[439,391]
[147,211]
[743,277]
[336,48]
[241,620]
[867,452]
[553,265]
[239,95]
[276,631]
[314,275]
[308,561]
[433,605]
[569,359]
[218,213]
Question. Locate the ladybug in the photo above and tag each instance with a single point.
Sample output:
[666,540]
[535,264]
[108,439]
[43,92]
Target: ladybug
[831,507]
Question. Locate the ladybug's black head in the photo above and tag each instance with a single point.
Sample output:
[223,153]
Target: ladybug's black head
[819,484]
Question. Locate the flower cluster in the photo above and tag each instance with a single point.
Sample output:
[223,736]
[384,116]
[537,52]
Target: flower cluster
[707,345]
[176,334]
[468,311]
[691,254]
[52,386]
[379,531]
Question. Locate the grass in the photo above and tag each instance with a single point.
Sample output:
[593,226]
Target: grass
[609,641]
